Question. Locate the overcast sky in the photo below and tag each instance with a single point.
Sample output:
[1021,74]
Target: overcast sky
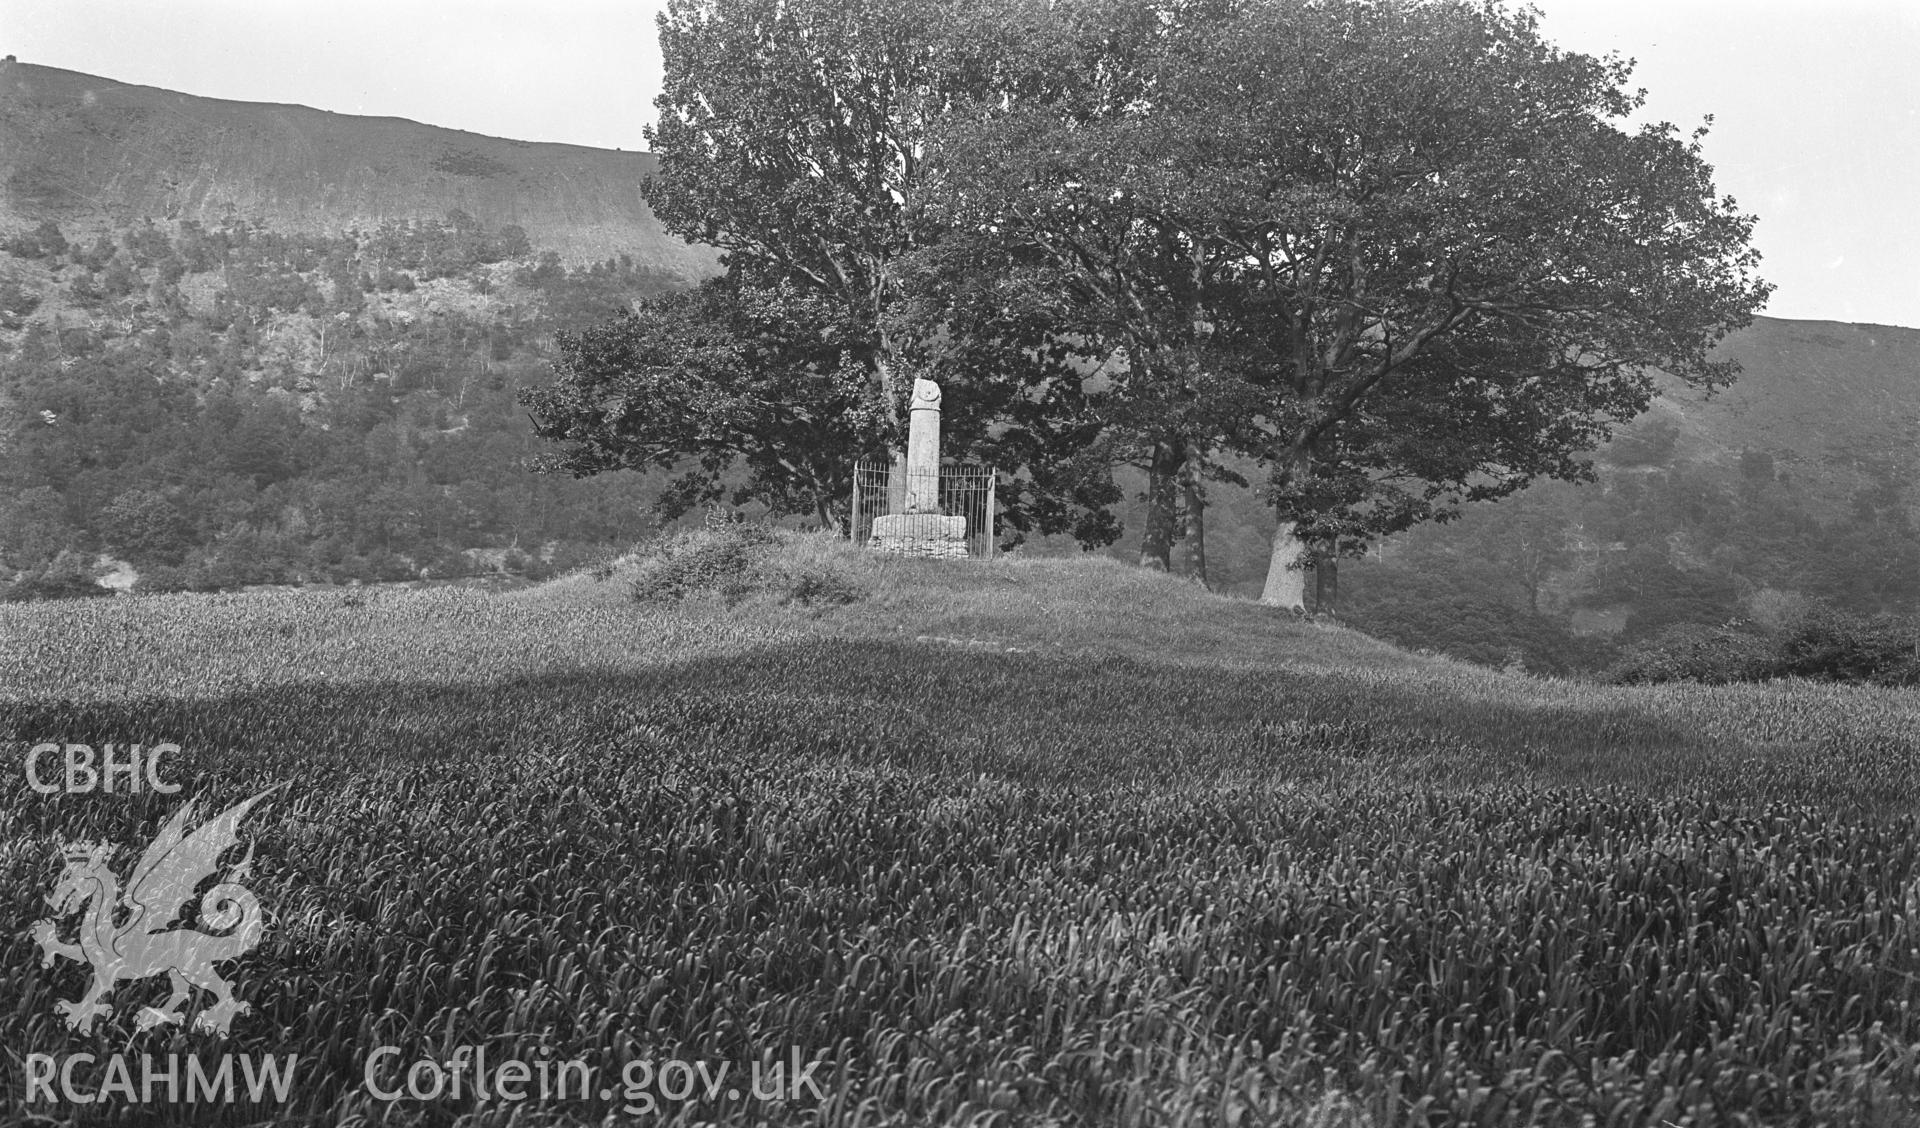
[1816,103]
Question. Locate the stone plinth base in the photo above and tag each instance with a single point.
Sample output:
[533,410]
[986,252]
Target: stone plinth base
[919,534]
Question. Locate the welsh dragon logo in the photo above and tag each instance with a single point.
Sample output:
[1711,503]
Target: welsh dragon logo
[143,945]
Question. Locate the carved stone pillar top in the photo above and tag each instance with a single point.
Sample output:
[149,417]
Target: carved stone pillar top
[923,449]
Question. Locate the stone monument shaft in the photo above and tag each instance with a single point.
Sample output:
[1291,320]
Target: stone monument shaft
[915,524]
[923,448]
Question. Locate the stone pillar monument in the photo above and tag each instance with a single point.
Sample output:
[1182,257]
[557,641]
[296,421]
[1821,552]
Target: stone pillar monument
[923,448]
[914,524]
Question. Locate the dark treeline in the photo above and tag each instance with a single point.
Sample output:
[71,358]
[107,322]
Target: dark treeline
[232,405]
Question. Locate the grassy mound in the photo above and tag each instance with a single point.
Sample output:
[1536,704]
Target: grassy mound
[1021,843]
[735,562]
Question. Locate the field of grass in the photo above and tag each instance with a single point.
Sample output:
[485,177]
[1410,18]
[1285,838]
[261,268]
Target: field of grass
[1029,843]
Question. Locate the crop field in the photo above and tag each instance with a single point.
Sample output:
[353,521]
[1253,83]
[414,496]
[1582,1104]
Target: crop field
[1029,843]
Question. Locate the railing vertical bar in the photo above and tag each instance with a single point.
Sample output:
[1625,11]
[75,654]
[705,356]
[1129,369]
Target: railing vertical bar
[853,533]
[993,483]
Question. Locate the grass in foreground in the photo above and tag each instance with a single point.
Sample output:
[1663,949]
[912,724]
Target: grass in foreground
[1023,844]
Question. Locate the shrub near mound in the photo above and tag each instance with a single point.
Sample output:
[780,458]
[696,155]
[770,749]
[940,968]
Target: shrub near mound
[1823,644]
[733,561]
[65,578]
[1714,655]
[1836,646]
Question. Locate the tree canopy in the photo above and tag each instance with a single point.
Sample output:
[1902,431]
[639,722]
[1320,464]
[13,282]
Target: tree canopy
[733,374]
[1404,254]
[791,136]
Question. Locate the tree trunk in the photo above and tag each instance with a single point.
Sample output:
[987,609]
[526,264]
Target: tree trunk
[1163,489]
[1194,496]
[883,376]
[1286,583]
[1326,581]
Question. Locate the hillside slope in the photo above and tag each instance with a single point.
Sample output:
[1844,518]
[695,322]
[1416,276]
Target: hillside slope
[89,152]
[1828,401]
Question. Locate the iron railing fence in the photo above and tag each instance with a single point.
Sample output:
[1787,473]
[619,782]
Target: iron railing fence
[964,525]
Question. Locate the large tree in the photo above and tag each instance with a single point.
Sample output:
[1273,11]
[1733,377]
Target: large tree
[1037,188]
[1406,251]
[726,377]
[791,135]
